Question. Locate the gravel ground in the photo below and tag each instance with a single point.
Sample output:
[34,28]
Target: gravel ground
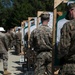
[14,65]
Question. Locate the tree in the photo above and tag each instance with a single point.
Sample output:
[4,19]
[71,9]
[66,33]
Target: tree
[25,8]
[21,12]
[15,11]
[5,10]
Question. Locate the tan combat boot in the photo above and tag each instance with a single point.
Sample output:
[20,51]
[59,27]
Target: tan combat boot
[6,72]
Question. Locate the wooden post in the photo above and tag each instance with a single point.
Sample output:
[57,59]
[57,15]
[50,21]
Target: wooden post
[23,23]
[54,24]
[37,21]
[56,3]
[65,1]
[29,18]
[29,31]
[54,30]
[23,33]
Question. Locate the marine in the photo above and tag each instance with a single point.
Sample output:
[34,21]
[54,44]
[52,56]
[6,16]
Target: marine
[18,37]
[41,42]
[4,50]
[67,45]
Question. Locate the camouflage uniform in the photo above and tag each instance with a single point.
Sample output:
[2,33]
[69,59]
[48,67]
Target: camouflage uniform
[18,36]
[13,38]
[4,49]
[9,39]
[41,41]
[67,49]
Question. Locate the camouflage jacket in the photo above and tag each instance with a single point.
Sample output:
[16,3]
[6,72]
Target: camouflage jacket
[41,38]
[9,38]
[67,41]
[3,43]
[18,36]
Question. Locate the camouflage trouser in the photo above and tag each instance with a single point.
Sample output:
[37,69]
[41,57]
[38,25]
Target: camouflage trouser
[67,69]
[18,48]
[43,64]
[5,60]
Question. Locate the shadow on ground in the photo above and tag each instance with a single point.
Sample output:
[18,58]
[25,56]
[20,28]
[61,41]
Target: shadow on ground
[26,73]
[13,53]
[17,62]
[19,74]
[18,68]
[23,72]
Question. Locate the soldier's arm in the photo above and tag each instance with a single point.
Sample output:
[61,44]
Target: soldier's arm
[6,42]
[64,44]
[50,40]
[32,40]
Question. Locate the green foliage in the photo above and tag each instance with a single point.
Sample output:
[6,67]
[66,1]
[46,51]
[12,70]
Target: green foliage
[62,7]
[13,12]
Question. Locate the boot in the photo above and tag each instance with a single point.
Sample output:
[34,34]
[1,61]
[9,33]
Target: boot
[6,72]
